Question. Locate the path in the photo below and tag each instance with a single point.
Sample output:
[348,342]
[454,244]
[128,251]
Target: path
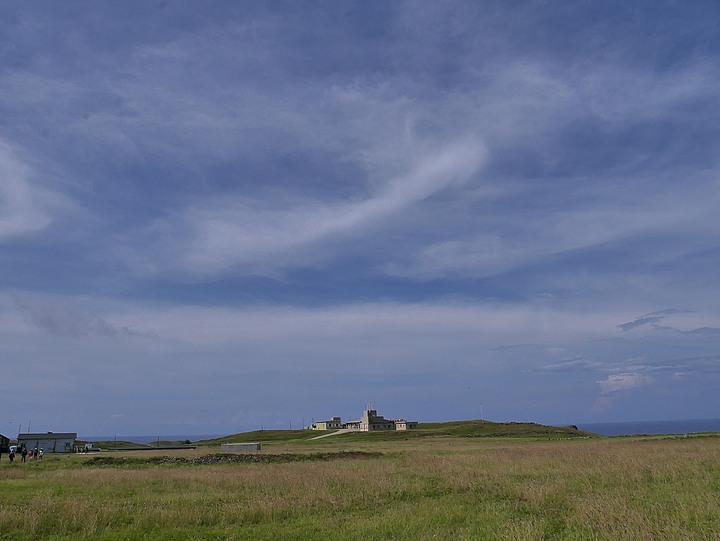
[341,431]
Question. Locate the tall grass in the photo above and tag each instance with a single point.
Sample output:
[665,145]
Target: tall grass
[589,489]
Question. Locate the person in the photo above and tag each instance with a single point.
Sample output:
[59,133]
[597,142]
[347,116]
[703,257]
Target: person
[41,453]
[23,454]
[11,456]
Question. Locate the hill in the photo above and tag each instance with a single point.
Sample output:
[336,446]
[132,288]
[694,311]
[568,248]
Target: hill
[452,429]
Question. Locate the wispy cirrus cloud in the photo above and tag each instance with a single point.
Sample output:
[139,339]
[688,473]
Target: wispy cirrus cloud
[219,235]
[468,195]
[26,207]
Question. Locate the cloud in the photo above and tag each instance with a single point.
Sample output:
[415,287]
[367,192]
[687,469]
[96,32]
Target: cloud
[651,319]
[65,317]
[217,236]
[654,319]
[25,207]
[623,382]
[616,385]
[455,197]
[575,364]
[143,110]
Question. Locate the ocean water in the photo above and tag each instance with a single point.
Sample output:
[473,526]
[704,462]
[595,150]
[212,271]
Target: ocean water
[150,439]
[631,428]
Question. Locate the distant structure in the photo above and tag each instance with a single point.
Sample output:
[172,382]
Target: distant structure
[402,424]
[4,444]
[61,442]
[240,447]
[369,422]
[333,424]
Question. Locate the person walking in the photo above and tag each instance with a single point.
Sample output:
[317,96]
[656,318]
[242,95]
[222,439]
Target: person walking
[11,456]
[23,454]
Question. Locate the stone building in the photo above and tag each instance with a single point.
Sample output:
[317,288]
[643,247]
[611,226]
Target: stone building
[369,422]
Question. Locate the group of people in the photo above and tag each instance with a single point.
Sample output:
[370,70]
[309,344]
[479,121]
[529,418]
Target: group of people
[25,454]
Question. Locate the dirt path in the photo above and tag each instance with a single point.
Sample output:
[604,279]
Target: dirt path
[341,431]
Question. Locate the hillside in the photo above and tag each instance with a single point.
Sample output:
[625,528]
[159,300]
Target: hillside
[452,429]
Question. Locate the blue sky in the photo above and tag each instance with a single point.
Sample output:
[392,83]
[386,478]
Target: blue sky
[242,214]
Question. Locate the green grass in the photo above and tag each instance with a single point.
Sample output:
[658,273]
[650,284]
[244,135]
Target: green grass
[263,436]
[113,444]
[454,429]
[428,488]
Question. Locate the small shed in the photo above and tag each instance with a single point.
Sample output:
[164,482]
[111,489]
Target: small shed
[240,447]
[49,442]
[4,444]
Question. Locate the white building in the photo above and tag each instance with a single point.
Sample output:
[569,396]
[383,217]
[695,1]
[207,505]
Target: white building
[333,424]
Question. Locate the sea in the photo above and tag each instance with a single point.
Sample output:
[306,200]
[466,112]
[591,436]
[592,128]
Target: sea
[150,439]
[632,428]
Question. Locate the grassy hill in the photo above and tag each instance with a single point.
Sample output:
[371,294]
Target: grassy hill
[453,429]
[263,436]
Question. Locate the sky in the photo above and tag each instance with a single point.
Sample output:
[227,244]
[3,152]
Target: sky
[224,216]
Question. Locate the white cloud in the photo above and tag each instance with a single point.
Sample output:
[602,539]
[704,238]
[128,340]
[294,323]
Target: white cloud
[623,382]
[214,236]
[24,206]
[618,94]
[527,234]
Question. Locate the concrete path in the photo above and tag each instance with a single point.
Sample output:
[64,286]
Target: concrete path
[341,431]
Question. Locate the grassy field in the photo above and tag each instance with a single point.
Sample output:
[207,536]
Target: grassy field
[432,487]
[453,429]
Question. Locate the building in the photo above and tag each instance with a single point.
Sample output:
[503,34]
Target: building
[4,444]
[333,424]
[402,424]
[49,442]
[371,421]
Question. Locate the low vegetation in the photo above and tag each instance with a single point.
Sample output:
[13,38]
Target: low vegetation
[432,487]
[455,429]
